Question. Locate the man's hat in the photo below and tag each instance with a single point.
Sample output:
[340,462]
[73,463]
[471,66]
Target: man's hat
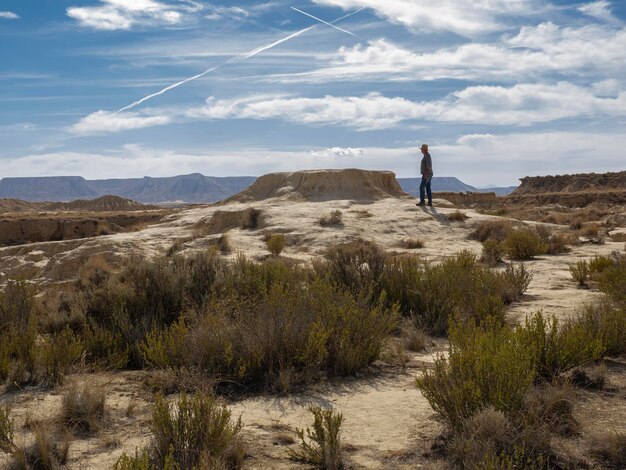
[424,147]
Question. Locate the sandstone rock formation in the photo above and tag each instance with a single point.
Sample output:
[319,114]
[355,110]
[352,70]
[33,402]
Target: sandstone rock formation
[323,185]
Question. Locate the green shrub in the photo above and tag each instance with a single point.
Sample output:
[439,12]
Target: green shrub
[559,349]
[580,272]
[195,431]
[59,353]
[492,253]
[599,264]
[334,218]
[433,293]
[523,245]
[276,244]
[16,306]
[607,324]
[612,281]
[323,449]
[487,366]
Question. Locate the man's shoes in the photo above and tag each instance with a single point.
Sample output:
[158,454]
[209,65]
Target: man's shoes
[430,204]
[421,203]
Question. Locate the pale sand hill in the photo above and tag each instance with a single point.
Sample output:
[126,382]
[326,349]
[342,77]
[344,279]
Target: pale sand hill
[388,424]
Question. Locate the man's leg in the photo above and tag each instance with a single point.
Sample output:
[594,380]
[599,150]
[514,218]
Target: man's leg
[429,192]
[422,190]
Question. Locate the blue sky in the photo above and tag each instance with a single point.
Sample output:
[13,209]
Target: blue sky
[500,89]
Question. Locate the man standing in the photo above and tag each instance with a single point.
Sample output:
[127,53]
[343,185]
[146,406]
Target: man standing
[427,175]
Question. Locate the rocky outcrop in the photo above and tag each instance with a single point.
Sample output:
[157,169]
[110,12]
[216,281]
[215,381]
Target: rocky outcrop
[323,185]
[571,190]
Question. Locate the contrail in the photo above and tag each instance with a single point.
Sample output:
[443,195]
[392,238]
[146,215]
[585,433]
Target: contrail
[240,57]
[324,22]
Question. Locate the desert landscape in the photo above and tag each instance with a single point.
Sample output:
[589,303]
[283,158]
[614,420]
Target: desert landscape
[365,242]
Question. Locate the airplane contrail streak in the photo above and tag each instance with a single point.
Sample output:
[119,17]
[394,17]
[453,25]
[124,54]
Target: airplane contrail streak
[240,57]
[324,22]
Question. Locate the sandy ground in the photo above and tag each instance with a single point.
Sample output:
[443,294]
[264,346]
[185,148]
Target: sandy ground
[387,422]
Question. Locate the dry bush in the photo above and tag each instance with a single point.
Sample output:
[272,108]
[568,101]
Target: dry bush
[223,244]
[195,432]
[610,448]
[591,230]
[457,216]
[357,265]
[524,245]
[492,253]
[334,218]
[168,381]
[83,409]
[251,219]
[485,436]
[412,243]
[492,229]
[276,244]
[49,451]
[551,405]
[584,379]
[360,214]
[555,243]
[322,448]
[415,339]
[514,282]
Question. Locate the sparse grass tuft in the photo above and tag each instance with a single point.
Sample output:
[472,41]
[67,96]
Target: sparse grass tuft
[323,449]
[334,218]
[610,448]
[83,409]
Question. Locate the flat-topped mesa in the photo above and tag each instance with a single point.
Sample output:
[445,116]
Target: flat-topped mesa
[572,183]
[571,190]
[323,185]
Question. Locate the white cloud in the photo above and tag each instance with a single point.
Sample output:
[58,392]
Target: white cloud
[339,152]
[9,15]
[600,10]
[522,104]
[588,51]
[113,15]
[102,122]
[464,17]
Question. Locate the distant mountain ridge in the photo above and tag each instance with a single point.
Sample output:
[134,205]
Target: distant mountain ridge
[449,184]
[193,188]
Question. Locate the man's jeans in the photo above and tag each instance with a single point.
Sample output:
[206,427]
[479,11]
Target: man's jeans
[425,188]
